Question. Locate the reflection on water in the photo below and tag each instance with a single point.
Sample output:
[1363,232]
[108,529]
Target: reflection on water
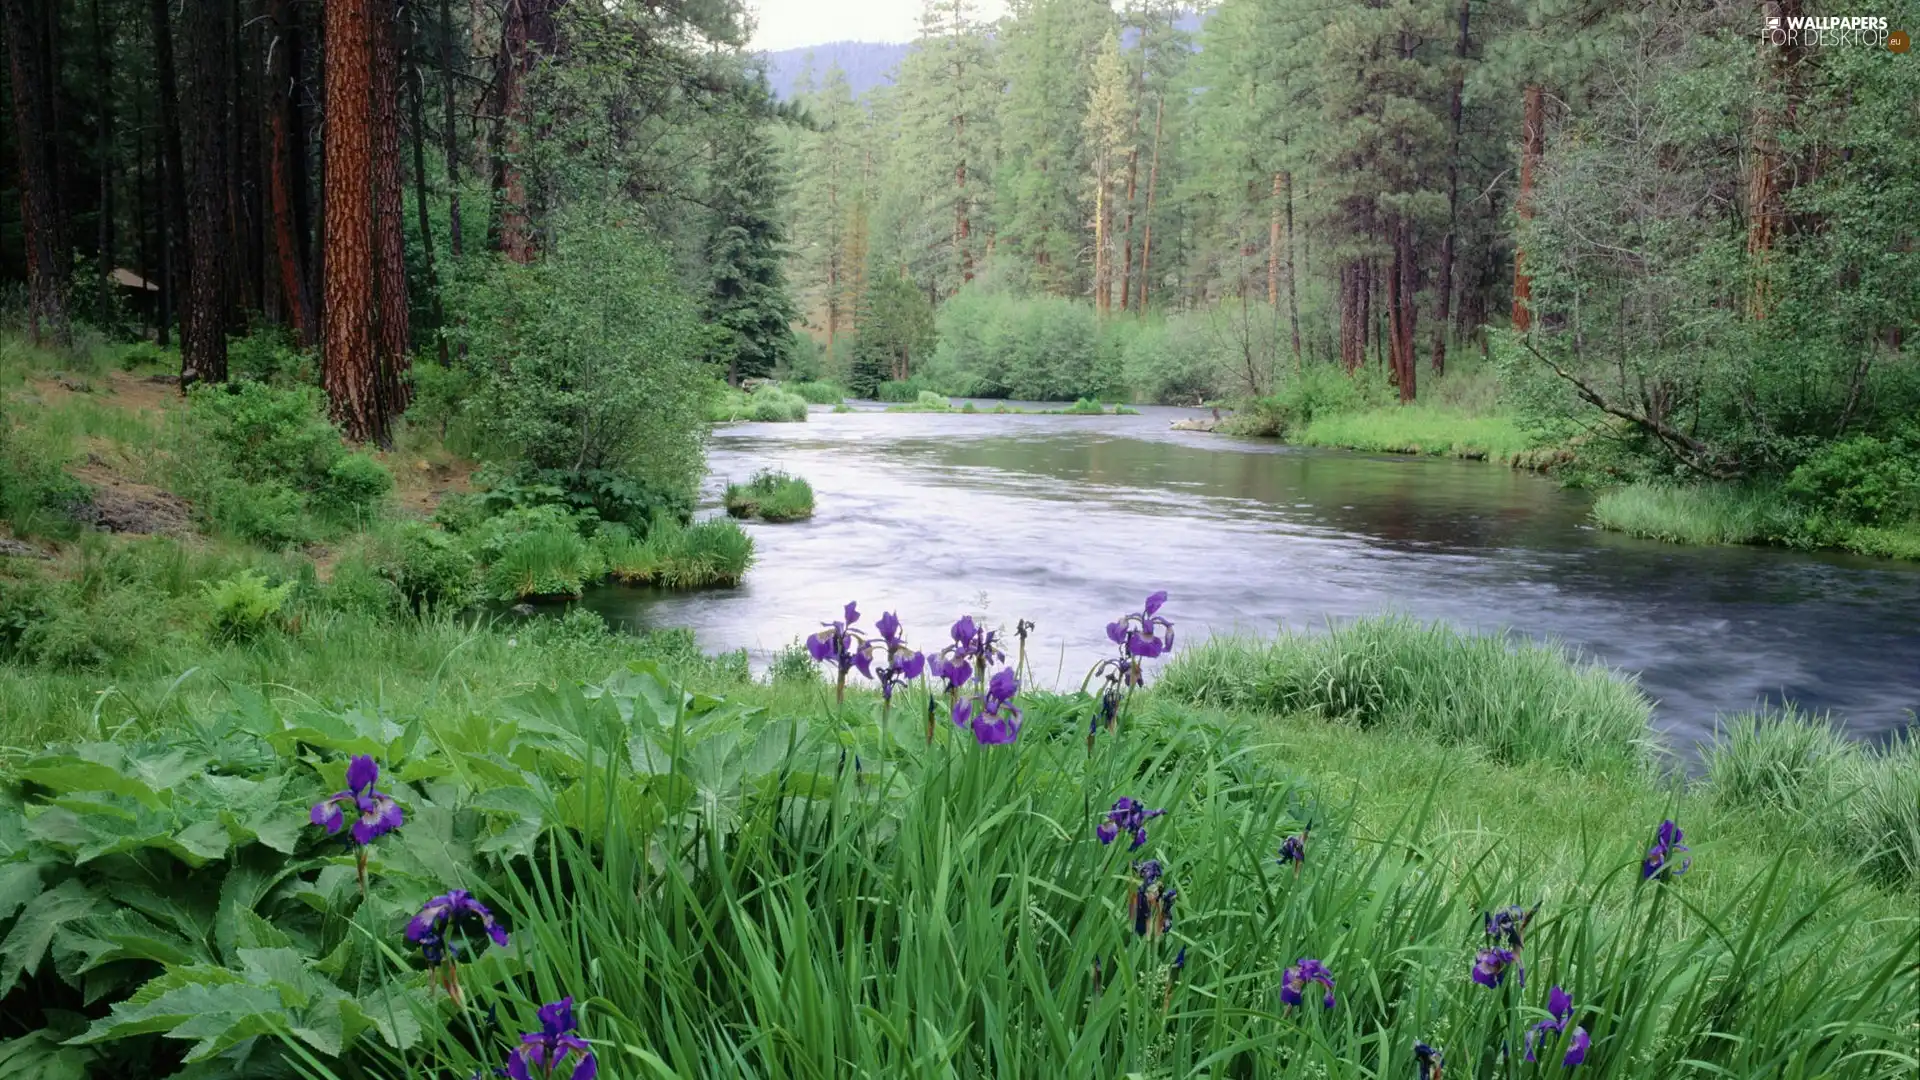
[1070,521]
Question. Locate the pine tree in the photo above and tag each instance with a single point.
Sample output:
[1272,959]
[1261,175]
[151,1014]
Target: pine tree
[1109,136]
[746,292]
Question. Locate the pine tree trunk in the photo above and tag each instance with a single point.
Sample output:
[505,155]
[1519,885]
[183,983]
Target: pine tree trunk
[526,33]
[393,332]
[49,252]
[1293,276]
[1133,175]
[1532,141]
[350,368]
[203,338]
[283,91]
[1153,182]
[1406,309]
[1443,289]
[1766,206]
[1274,216]
[450,139]
[1102,287]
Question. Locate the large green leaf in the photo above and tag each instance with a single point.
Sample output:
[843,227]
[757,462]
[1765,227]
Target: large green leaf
[216,1006]
[38,1055]
[26,944]
[19,883]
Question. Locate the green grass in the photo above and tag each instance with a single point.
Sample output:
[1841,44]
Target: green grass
[1515,700]
[818,393]
[1418,429]
[926,401]
[771,496]
[1735,514]
[676,556]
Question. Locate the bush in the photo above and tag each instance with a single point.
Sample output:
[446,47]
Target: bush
[793,664]
[1862,480]
[1779,761]
[271,356]
[589,359]
[1037,349]
[1085,407]
[906,391]
[1518,701]
[543,563]
[241,607]
[352,488]
[771,496]
[265,434]
[269,514]
[431,569]
[768,403]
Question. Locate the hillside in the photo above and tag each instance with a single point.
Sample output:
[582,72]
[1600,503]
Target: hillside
[867,63]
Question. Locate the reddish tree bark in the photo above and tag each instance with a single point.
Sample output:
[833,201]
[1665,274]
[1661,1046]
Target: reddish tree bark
[1153,182]
[49,252]
[393,333]
[1443,289]
[1766,202]
[1532,140]
[350,367]
[203,338]
[526,34]
[449,136]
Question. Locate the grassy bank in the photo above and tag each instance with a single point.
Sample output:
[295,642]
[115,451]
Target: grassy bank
[1729,514]
[829,873]
[768,403]
[1419,429]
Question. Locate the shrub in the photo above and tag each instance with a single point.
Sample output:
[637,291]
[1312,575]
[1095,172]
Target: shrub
[430,568]
[1519,701]
[1085,407]
[263,433]
[1863,480]
[542,563]
[1879,809]
[906,391]
[241,607]
[352,488]
[271,356]
[268,513]
[772,405]
[771,496]
[1035,349]
[793,664]
[589,358]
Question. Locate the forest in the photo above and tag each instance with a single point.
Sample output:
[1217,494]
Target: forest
[495,579]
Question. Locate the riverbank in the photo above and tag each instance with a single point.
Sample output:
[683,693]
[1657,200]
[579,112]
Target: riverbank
[1727,514]
[935,859]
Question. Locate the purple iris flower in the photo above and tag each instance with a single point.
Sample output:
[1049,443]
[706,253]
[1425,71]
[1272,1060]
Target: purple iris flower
[1429,1061]
[1139,636]
[449,923]
[1294,850]
[543,1054]
[376,814]
[842,646]
[994,719]
[902,665]
[1293,984]
[1490,967]
[1508,925]
[1560,1010]
[1128,815]
[1668,857]
[1152,906]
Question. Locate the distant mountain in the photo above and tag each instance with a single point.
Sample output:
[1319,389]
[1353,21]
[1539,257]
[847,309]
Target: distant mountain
[872,63]
[867,63]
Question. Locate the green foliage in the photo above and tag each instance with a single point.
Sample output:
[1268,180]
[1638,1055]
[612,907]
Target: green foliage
[768,403]
[1047,349]
[430,568]
[243,606]
[905,391]
[896,332]
[793,664]
[1085,406]
[36,493]
[818,393]
[771,496]
[1861,480]
[747,301]
[1696,514]
[535,551]
[1515,701]
[676,556]
[270,356]
[589,361]
[262,463]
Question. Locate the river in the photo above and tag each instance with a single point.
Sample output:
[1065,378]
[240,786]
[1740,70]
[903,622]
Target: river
[1071,521]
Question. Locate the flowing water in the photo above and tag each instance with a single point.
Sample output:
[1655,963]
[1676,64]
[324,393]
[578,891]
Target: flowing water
[1070,521]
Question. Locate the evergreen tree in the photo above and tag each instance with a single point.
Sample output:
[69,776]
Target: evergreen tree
[747,300]
[896,332]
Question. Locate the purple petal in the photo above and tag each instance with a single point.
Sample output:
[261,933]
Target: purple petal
[1154,602]
[964,630]
[1117,632]
[853,613]
[421,925]
[1004,686]
[889,627]
[587,1069]
[1107,832]
[819,646]
[361,773]
[328,815]
[556,1018]
[517,1064]
[1328,1000]
[497,932]
[1560,1004]
[913,665]
[1577,1048]
[864,661]
[1139,839]
[962,712]
[1289,995]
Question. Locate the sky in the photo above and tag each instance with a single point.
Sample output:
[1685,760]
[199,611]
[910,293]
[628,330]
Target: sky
[793,24]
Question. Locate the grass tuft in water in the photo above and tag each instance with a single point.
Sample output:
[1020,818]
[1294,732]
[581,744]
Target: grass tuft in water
[714,552]
[771,496]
